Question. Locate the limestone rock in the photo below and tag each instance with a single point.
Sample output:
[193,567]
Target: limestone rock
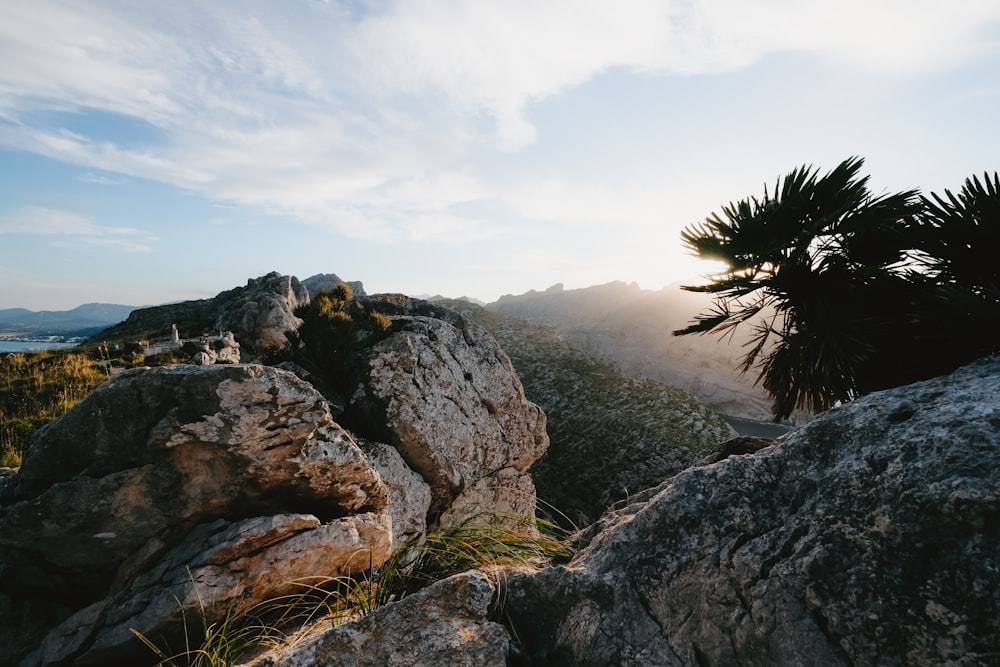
[248,561]
[229,349]
[220,566]
[109,490]
[446,396]
[327,281]
[409,497]
[868,536]
[507,492]
[260,313]
[444,624]
[221,349]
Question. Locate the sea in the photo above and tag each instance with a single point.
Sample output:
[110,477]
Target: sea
[7,345]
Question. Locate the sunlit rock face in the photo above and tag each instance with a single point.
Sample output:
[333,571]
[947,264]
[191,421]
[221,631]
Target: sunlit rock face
[262,312]
[447,398]
[869,536]
[179,492]
[167,479]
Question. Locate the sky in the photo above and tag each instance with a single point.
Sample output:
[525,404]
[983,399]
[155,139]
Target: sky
[158,152]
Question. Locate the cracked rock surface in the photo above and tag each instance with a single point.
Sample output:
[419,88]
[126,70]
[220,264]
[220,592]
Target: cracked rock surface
[446,624]
[449,401]
[232,479]
[870,536]
[195,492]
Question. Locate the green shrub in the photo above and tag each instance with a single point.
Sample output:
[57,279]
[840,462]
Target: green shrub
[334,325]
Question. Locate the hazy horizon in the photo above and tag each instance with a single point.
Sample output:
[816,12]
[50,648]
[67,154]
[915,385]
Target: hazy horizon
[164,152]
[349,279]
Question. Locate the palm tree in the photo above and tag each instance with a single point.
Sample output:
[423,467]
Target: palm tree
[819,267]
[960,277]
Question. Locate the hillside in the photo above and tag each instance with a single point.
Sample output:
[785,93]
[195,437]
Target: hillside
[631,329]
[244,309]
[611,435]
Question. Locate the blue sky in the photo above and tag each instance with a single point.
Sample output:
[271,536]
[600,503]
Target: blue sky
[155,152]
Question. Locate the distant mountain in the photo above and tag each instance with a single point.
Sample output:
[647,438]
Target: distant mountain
[80,321]
[439,297]
[631,329]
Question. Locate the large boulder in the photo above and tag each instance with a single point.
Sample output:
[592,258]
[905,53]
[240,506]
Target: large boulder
[219,569]
[869,536]
[217,471]
[261,313]
[441,390]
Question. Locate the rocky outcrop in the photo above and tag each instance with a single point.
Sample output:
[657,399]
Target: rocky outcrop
[327,281]
[261,313]
[220,350]
[445,395]
[166,474]
[869,536]
[186,491]
[258,314]
[445,624]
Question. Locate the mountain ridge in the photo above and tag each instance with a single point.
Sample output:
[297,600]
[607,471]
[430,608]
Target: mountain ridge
[80,321]
[631,328]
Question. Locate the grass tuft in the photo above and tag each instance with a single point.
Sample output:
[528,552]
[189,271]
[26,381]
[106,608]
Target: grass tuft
[487,542]
[221,643]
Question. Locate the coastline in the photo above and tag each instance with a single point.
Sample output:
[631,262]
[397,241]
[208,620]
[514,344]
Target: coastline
[35,343]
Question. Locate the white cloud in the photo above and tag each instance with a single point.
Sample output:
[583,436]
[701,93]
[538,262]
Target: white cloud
[40,220]
[446,228]
[99,179]
[500,58]
[71,228]
[72,56]
[318,112]
[105,155]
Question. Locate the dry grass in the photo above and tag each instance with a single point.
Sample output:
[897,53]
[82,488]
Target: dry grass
[38,387]
[485,542]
